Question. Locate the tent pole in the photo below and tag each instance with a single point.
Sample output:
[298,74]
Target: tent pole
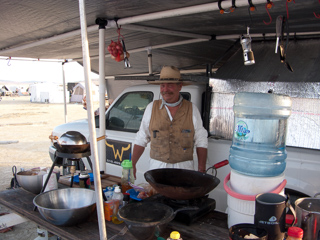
[93,141]
[64,92]
[102,90]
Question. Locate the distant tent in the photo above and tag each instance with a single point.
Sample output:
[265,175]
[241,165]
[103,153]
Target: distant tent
[47,93]
[15,89]
[5,91]
[79,92]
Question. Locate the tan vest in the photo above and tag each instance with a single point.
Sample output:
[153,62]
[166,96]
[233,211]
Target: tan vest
[172,141]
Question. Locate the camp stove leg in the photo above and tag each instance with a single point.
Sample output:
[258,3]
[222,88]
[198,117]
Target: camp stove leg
[47,180]
[90,163]
[43,234]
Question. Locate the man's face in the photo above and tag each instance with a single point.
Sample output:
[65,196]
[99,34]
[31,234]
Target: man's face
[170,91]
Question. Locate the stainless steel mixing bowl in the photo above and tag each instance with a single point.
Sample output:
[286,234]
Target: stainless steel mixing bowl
[66,207]
[31,180]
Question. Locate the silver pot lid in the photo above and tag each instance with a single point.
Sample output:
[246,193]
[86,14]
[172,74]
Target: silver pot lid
[72,138]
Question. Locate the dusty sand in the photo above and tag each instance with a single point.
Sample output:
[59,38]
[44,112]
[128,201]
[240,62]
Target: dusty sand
[30,124]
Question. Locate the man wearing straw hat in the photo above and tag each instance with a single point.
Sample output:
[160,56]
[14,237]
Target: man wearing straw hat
[173,125]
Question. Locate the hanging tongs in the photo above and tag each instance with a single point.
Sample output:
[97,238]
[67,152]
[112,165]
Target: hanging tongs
[125,59]
[280,24]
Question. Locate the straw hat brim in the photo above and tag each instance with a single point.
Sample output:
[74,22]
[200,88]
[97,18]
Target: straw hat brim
[184,82]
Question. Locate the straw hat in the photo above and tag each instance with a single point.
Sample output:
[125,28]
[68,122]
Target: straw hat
[170,74]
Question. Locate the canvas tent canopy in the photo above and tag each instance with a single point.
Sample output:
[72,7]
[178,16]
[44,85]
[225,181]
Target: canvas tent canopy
[47,93]
[79,91]
[191,35]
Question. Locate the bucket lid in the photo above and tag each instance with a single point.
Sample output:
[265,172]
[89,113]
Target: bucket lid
[126,164]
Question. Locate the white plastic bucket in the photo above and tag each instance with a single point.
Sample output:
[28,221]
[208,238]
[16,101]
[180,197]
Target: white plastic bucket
[241,207]
[249,185]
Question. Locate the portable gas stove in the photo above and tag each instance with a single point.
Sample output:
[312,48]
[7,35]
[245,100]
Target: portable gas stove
[204,203]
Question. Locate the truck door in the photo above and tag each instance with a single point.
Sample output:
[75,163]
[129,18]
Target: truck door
[122,122]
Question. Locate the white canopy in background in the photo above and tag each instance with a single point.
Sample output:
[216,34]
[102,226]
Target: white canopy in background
[47,93]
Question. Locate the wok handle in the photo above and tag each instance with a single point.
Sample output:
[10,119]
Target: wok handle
[178,210]
[221,164]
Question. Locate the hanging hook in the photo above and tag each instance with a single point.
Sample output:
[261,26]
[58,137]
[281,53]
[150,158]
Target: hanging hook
[8,63]
[222,11]
[269,5]
[287,7]
[315,14]
[251,6]
[233,7]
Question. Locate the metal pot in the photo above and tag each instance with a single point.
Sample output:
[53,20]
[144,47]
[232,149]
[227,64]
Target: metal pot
[142,218]
[182,184]
[308,215]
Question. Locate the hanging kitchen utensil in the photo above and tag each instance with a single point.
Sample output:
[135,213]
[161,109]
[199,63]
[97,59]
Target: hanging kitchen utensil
[126,55]
[283,46]
[14,181]
[248,56]
[279,23]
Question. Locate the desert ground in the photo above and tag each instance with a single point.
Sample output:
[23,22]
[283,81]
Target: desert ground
[24,141]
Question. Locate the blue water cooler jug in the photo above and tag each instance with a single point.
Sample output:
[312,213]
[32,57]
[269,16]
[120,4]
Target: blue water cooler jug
[259,138]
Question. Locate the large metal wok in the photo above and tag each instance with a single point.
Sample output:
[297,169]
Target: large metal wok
[182,184]
[72,142]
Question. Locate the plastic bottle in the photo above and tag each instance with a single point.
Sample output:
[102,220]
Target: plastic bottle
[52,183]
[84,180]
[174,236]
[127,175]
[117,199]
[295,233]
[126,199]
[108,192]
[259,137]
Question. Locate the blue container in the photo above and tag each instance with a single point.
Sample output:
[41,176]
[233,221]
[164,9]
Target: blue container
[259,138]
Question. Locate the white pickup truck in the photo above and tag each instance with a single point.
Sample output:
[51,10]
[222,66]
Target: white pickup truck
[123,120]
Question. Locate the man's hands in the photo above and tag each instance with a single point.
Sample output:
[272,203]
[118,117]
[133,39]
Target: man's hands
[202,159]
[136,154]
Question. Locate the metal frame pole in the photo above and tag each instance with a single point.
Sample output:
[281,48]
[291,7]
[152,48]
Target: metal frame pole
[93,138]
[102,91]
[64,93]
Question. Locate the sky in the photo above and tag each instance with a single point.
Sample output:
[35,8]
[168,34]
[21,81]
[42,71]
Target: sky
[26,71]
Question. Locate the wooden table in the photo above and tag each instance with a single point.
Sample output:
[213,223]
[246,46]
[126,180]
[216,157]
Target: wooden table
[211,226]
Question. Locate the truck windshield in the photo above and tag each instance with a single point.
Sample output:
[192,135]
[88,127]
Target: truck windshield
[126,114]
